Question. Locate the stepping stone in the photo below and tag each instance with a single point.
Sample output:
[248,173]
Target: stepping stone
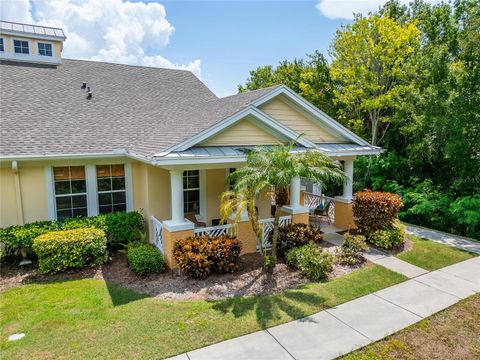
[418,298]
[449,283]
[400,266]
[374,254]
[257,345]
[320,336]
[467,270]
[374,317]
[334,238]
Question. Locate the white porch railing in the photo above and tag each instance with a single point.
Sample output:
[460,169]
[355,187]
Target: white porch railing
[267,228]
[227,229]
[157,227]
[313,200]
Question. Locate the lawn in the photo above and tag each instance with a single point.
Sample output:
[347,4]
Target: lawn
[430,255]
[96,319]
[450,334]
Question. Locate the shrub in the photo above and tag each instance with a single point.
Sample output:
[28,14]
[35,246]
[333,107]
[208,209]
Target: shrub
[352,249]
[311,261]
[375,210]
[144,258]
[120,227]
[390,238]
[65,249]
[198,256]
[295,235]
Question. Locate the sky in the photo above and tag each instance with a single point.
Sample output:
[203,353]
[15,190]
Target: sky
[219,41]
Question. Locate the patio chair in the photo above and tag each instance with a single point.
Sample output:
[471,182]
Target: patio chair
[326,213]
[191,216]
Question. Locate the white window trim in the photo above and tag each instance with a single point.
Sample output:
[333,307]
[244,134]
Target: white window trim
[46,42]
[30,49]
[91,183]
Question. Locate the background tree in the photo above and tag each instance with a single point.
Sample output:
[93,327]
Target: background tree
[372,62]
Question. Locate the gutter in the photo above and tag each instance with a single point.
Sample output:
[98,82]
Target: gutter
[18,192]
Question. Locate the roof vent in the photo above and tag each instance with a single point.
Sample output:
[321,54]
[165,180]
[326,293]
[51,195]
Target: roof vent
[84,85]
[89,94]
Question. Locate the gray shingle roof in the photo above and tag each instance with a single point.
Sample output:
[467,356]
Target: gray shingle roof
[144,110]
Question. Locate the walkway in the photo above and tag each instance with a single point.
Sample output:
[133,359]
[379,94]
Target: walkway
[381,258]
[444,238]
[352,325]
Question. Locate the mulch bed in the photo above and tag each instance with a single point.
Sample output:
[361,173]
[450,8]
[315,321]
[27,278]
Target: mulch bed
[250,279]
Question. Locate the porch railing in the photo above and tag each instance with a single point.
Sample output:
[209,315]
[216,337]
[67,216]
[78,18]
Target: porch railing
[267,228]
[227,229]
[157,227]
[313,200]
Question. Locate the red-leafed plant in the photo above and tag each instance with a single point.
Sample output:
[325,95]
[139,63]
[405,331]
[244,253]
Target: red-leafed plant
[198,256]
[375,210]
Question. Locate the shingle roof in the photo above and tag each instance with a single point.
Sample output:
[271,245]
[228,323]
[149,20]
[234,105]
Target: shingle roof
[144,110]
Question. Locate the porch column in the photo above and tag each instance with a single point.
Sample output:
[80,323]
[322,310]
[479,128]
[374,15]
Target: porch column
[343,209]
[178,227]
[300,214]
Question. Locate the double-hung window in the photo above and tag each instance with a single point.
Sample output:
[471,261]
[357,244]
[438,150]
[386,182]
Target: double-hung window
[112,194]
[70,191]
[191,191]
[21,47]
[45,49]
[2,45]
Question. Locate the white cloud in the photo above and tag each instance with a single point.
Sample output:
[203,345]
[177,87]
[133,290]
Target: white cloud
[344,9]
[103,30]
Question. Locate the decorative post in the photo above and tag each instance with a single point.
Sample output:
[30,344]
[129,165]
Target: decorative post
[300,214]
[178,227]
[344,207]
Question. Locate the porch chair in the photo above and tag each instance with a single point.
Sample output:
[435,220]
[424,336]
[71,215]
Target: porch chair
[326,213]
[191,216]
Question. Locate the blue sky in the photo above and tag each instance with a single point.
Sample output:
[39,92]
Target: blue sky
[220,41]
[232,38]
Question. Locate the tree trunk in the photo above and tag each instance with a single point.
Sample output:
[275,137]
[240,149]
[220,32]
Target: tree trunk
[253,215]
[276,222]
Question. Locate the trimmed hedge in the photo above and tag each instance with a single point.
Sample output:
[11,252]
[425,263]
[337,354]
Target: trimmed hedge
[198,256]
[120,228]
[62,250]
[375,210]
[352,248]
[295,235]
[389,238]
[144,258]
[311,260]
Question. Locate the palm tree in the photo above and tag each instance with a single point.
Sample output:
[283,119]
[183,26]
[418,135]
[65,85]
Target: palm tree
[275,167]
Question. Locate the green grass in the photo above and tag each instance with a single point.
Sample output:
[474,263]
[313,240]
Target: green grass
[430,255]
[450,334]
[94,319]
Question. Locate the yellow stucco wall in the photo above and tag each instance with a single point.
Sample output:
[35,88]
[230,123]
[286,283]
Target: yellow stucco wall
[215,185]
[8,205]
[243,132]
[34,193]
[290,117]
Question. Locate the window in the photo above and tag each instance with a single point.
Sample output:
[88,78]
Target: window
[20,47]
[112,194]
[70,191]
[45,49]
[191,191]
[2,46]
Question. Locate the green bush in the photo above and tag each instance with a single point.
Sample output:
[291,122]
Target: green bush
[391,238]
[295,235]
[352,249]
[198,256]
[311,260]
[144,258]
[120,228]
[65,249]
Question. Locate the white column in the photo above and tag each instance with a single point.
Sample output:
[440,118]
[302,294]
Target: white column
[176,186]
[178,221]
[295,192]
[347,195]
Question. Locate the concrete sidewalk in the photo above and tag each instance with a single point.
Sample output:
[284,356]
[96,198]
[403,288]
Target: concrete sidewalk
[444,238]
[349,326]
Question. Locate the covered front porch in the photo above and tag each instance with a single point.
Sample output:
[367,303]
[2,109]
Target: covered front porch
[195,189]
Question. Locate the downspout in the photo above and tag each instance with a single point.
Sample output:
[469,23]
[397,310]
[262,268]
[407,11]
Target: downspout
[18,193]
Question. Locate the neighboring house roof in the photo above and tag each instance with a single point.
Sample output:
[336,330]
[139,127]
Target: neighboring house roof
[142,111]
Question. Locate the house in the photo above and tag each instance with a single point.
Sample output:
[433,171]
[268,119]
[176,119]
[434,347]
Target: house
[79,138]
